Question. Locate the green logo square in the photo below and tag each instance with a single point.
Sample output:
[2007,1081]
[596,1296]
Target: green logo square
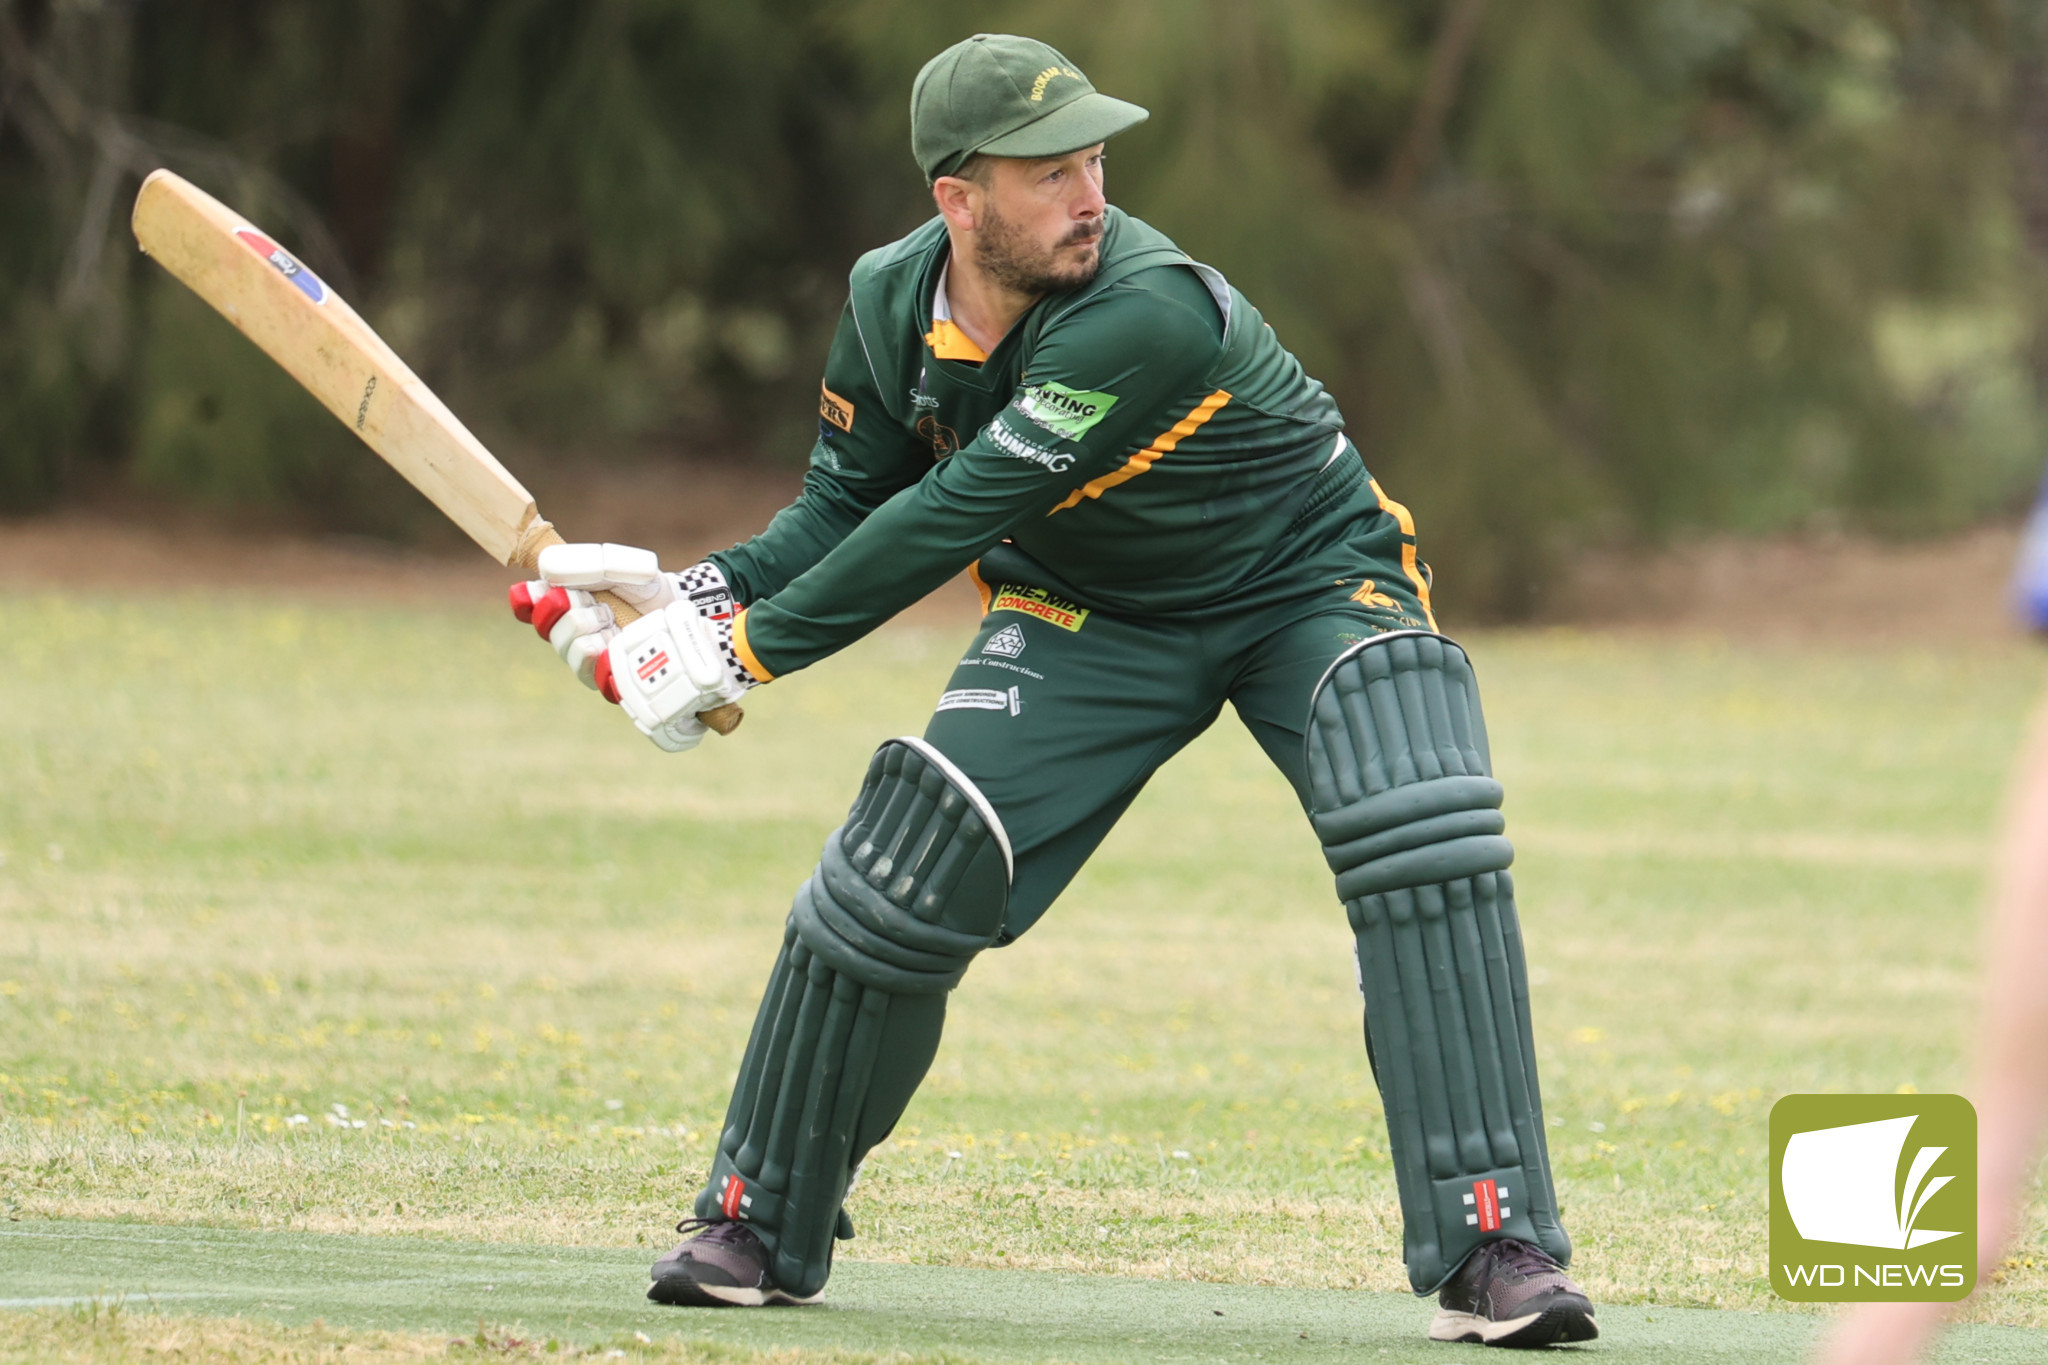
[1873,1197]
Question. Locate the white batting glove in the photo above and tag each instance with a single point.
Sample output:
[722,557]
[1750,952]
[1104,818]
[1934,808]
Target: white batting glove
[667,667]
[679,659]
[623,570]
[560,607]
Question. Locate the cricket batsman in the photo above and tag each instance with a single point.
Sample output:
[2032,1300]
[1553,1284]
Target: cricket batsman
[1162,514]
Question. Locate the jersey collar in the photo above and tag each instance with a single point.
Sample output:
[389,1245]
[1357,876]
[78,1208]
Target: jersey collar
[946,340]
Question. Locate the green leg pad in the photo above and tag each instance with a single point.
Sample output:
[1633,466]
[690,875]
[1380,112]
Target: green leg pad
[1404,801]
[911,887]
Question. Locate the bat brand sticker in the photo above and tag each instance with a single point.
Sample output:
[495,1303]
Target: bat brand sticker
[363,408]
[305,280]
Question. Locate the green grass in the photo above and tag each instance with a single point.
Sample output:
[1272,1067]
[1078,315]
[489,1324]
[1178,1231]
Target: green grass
[261,860]
[454,1297]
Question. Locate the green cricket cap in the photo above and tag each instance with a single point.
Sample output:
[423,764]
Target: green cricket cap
[1007,96]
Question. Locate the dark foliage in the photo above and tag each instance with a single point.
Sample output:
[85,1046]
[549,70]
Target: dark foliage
[1587,268]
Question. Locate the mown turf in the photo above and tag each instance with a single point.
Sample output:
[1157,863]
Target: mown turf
[587,1298]
[390,871]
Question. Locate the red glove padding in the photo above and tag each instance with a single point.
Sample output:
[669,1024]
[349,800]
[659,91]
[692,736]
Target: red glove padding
[539,612]
[574,622]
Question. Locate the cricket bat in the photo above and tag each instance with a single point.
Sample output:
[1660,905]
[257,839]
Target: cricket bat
[296,320]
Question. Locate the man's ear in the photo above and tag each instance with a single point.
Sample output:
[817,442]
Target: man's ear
[959,201]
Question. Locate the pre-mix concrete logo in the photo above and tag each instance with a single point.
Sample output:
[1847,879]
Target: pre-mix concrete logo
[1873,1197]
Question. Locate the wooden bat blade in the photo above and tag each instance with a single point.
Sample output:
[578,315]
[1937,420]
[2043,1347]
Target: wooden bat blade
[302,324]
[296,320]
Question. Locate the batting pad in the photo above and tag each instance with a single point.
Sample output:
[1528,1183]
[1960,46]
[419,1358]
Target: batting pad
[910,888]
[1403,798]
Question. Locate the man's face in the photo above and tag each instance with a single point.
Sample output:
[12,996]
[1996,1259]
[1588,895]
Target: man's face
[1040,228]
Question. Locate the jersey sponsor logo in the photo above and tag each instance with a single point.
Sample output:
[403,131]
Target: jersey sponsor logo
[1007,441]
[1370,595]
[943,438]
[1008,642]
[304,280]
[1063,411]
[834,409]
[1042,604]
[1047,77]
[982,699]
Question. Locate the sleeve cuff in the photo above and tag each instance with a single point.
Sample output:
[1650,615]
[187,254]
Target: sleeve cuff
[748,660]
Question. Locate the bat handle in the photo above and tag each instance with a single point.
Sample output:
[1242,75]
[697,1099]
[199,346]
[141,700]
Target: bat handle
[724,719]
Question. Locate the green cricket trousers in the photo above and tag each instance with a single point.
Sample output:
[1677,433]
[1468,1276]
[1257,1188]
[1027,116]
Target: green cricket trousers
[1060,714]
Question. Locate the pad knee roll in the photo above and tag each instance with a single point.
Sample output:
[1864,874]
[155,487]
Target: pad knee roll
[909,889]
[1404,801]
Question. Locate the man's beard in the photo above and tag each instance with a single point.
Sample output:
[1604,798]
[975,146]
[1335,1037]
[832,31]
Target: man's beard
[1001,249]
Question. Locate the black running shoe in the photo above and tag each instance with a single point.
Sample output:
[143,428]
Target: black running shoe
[1509,1293]
[723,1266]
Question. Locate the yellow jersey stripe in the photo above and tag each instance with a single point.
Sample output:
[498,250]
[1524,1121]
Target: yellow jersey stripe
[745,651]
[1408,565]
[1143,460]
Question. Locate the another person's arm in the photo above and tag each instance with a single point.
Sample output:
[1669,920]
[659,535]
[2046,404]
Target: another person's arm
[2011,1089]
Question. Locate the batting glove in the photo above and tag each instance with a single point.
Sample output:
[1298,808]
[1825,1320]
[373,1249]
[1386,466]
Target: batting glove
[560,607]
[684,634]
[667,667]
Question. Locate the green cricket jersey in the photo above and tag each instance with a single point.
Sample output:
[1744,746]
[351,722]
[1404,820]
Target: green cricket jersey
[1140,445]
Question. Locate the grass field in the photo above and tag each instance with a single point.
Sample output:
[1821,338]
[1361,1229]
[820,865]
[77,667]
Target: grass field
[367,920]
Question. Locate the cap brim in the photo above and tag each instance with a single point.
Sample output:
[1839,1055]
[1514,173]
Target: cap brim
[1093,118]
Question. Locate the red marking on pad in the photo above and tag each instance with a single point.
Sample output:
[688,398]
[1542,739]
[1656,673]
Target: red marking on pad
[734,1188]
[1487,1196]
[653,666]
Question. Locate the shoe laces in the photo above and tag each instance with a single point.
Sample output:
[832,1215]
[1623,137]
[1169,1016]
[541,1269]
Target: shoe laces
[1526,1260]
[718,1231]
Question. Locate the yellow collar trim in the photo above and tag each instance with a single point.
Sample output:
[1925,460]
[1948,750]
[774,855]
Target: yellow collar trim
[948,342]
[945,338]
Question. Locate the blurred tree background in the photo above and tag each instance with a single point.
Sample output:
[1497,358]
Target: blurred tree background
[1576,269]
